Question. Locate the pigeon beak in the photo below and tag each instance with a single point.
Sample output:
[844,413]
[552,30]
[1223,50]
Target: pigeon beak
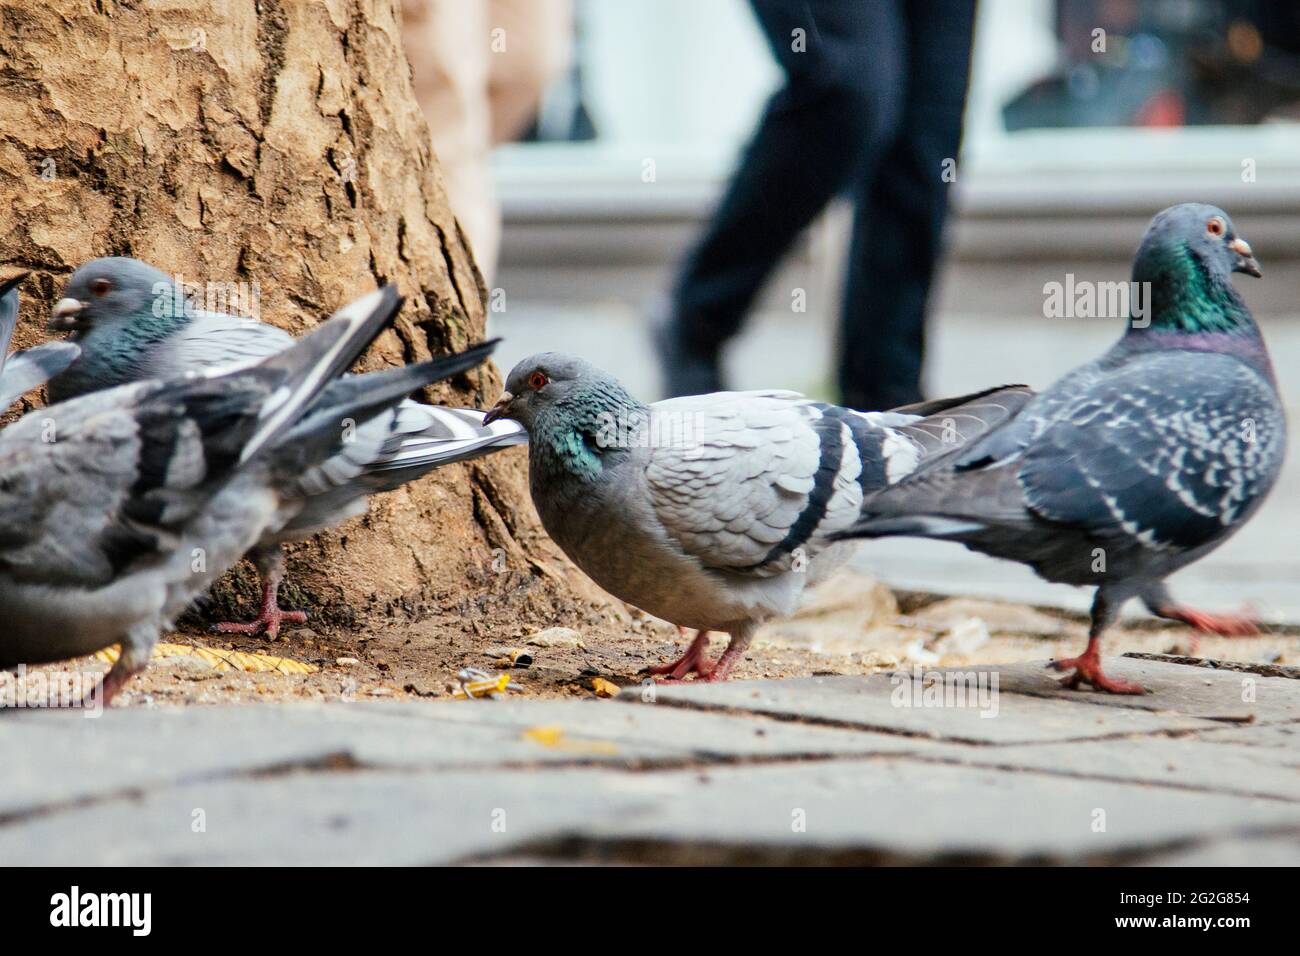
[12,283]
[64,318]
[1245,258]
[500,410]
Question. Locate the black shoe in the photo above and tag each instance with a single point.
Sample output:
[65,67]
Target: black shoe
[687,369]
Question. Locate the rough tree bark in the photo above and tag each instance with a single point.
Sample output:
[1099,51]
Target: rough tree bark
[276,142]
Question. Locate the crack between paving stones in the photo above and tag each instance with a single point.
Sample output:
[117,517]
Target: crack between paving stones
[841,724]
[1286,671]
[333,761]
[1184,786]
[1236,720]
[571,847]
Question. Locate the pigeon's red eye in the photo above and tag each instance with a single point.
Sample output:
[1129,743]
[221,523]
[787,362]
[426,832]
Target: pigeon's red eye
[1216,226]
[536,380]
[100,287]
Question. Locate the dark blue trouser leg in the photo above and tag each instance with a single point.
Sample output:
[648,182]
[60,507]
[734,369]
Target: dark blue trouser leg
[900,209]
[841,102]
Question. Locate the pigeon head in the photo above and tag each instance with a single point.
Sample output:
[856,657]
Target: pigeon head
[1186,260]
[115,294]
[552,385]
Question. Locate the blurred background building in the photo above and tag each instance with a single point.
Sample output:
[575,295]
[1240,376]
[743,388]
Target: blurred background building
[1084,118]
[1068,152]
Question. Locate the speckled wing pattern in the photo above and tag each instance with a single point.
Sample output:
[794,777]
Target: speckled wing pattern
[1169,450]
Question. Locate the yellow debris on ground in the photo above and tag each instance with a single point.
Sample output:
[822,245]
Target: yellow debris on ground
[247,661]
[475,683]
[553,737]
[604,688]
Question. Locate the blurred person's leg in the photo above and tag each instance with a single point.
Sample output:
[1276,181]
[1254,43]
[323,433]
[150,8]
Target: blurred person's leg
[900,213]
[447,42]
[539,48]
[840,102]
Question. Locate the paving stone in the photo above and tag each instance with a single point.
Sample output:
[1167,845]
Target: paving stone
[1028,707]
[379,817]
[407,782]
[1189,761]
[1277,736]
[891,808]
[652,732]
[1176,688]
[920,813]
[63,756]
[56,757]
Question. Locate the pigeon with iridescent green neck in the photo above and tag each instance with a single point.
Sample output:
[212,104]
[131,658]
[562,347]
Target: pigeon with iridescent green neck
[1134,465]
[714,511]
[133,322]
[119,508]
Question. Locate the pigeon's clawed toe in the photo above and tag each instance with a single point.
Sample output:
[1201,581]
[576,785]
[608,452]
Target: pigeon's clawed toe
[271,616]
[1087,670]
[267,623]
[1245,624]
[694,661]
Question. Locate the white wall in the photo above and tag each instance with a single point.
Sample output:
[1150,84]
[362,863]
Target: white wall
[675,72]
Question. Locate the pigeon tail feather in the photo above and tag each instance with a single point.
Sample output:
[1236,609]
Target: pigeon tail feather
[317,359]
[359,398]
[32,368]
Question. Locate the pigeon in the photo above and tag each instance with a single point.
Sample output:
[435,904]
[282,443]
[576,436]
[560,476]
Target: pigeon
[1134,465]
[23,371]
[714,511]
[118,508]
[133,322]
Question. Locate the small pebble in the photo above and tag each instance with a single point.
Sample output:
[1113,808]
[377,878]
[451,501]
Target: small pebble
[556,637]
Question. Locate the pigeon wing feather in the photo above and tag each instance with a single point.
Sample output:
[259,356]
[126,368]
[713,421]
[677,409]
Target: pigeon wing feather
[1172,450]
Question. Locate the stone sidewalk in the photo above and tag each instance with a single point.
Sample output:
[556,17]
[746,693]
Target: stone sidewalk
[996,765]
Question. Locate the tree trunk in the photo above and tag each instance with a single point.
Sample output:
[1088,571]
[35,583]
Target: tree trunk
[274,144]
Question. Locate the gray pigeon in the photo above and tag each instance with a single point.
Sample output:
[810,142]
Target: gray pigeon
[132,323]
[31,368]
[1134,465]
[714,511]
[118,508]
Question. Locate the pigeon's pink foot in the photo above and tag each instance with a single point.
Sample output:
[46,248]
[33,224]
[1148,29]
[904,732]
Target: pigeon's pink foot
[269,620]
[114,681]
[694,661]
[1225,625]
[721,671]
[268,623]
[132,659]
[1087,669]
